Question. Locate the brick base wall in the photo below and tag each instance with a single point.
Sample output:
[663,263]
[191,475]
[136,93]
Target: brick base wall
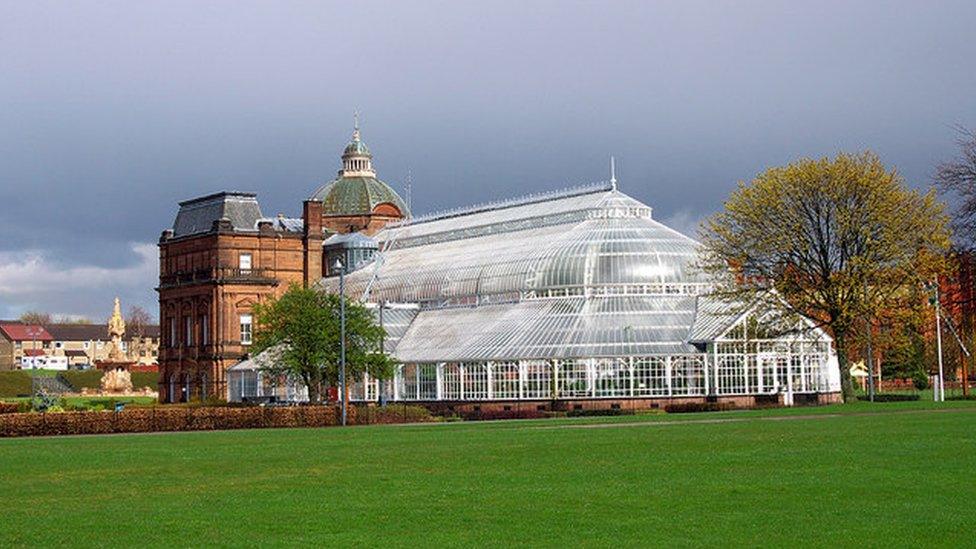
[742,401]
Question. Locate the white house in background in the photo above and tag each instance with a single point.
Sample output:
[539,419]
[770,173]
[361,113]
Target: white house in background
[44,362]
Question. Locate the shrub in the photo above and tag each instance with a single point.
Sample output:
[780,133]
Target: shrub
[485,415]
[9,407]
[920,380]
[692,407]
[144,379]
[891,397]
[961,397]
[367,415]
[15,383]
[595,413]
[82,379]
[139,420]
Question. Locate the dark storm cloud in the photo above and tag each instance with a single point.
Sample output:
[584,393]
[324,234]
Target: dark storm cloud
[112,112]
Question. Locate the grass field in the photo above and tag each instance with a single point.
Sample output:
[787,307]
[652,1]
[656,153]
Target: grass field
[875,474]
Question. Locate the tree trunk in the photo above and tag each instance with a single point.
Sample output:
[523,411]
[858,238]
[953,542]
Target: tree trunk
[846,385]
[314,389]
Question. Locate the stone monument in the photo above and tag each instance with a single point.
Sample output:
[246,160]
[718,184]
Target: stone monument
[116,379]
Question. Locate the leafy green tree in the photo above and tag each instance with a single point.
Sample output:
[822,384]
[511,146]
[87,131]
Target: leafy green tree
[834,240]
[299,336]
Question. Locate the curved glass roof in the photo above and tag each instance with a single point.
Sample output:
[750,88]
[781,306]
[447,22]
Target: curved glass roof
[356,195]
[580,274]
[594,241]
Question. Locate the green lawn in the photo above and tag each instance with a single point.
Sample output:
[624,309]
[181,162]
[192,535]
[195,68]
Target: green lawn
[874,474]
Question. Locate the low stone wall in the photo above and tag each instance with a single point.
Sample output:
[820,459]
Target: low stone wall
[624,403]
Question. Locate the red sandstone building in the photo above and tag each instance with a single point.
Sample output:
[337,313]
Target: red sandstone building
[222,256]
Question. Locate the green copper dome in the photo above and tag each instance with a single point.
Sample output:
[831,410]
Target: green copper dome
[356,195]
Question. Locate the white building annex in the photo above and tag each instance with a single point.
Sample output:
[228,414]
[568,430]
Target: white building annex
[573,296]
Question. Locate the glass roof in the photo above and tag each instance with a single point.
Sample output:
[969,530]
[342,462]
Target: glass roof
[601,240]
[565,328]
[585,273]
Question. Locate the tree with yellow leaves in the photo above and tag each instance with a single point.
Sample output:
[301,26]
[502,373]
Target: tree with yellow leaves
[834,240]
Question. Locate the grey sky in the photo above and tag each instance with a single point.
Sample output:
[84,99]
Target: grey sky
[111,112]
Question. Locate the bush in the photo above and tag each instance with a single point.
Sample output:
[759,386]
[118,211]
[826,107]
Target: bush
[368,415]
[961,397]
[82,379]
[693,407]
[145,379]
[595,413]
[890,397]
[9,407]
[486,415]
[141,420]
[15,383]
[921,381]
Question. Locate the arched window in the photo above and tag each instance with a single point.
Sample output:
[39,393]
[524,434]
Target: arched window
[185,397]
[204,386]
[171,396]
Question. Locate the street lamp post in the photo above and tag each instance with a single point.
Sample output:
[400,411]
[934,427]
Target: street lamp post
[938,394]
[342,335]
[34,331]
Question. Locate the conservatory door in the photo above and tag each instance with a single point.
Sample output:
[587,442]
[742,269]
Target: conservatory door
[773,371]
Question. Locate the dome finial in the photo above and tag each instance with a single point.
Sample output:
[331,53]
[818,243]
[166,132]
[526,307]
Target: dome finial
[355,125]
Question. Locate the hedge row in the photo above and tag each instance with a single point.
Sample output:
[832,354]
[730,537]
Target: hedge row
[600,412]
[393,413]
[14,383]
[92,379]
[691,407]
[144,420]
[891,397]
[82,379]
[9,407]
[486,415]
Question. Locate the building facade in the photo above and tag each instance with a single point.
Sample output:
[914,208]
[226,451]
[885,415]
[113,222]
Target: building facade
[222,257]
[18,340]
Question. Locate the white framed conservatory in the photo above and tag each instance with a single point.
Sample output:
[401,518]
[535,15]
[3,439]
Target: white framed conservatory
[576,295]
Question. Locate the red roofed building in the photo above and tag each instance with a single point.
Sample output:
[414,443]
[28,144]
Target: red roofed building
[18,339]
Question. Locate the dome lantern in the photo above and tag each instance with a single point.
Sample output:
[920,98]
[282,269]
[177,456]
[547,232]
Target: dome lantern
[357,161]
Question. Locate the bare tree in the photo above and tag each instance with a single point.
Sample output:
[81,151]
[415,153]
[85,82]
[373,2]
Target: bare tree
[137,319]
[68,319]
[956,181]
[35,317]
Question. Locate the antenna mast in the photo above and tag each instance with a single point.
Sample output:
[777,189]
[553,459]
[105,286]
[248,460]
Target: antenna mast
[613,174]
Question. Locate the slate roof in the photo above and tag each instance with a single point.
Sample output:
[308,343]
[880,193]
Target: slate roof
[287,224]
[198,215]
[78,332]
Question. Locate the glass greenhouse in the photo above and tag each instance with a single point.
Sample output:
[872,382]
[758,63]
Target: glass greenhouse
[573,295]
